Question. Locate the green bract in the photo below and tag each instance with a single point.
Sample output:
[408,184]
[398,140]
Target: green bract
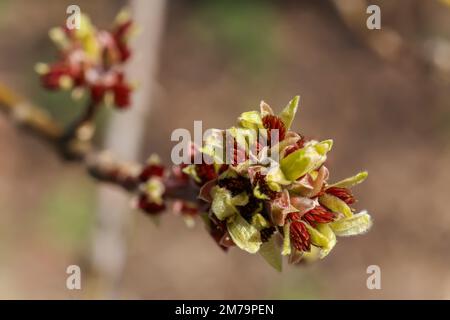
[317,238]
[354,225]
[251,120]
[328,233]
[350,182]
[335,204]
[224,205]
[271,253]
[305,160]
[288,113]
[259,222]
[258,194]
[275,179]
[244,235]
[190,171]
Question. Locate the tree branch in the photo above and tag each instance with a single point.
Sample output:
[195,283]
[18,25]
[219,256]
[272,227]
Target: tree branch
[28,116]
[100,165]
[75,142]
[103,167]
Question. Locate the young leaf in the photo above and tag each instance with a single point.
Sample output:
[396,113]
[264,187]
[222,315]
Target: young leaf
[335,204]
[271,253]
[244,235]
[305,160]
[251,120]
[326,230]
[190,171]
[240,200]
[354,225]
[350,182]
[288,113]
[275,179]
[258,194]
[317,238]
[259,222]
[222,205]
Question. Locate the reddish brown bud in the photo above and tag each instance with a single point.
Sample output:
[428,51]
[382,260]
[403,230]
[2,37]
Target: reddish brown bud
[300,237]
[271,122]
[342,193]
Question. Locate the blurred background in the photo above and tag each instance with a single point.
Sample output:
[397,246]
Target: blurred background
[382,95]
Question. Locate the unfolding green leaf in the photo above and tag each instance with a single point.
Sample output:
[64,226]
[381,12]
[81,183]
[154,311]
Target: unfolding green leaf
[259,222]
[317,238]
[258,194]
[222,205]
[354,225]
[275,179]
[288,113]
[213,146]
[229,173]
[251,120]
[305,160]
[270,251]
[350,182]
[190,171]
[240,200]
[323,237]
[244,235]
[335,204]
[326,230]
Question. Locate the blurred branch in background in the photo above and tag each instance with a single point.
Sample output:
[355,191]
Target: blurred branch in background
[125,137]
[100,165]
[26,115]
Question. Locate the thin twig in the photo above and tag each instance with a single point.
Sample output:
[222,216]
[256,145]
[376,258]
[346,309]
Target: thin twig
[104,168]
[99,165]
[75,142]
[28,116]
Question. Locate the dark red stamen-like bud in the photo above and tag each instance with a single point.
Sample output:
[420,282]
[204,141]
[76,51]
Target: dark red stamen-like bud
[264,188]
[98,92]
[318,215]
[150,207]
[205,172]
[267,233]
[294,216]
[151,170]
[122,94]
[342,193]
[271,122]
[51,80]
[300,237]
[235,185]
[120,38]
